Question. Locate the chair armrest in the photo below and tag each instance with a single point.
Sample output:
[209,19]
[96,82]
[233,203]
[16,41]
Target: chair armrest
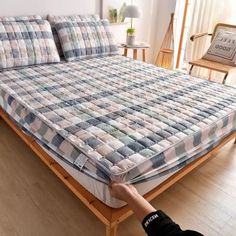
[196,36]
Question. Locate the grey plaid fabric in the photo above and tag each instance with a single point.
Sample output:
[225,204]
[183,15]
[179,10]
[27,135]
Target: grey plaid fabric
[26,43]
[20,18]
[85,39]
[119,119]
[56,19]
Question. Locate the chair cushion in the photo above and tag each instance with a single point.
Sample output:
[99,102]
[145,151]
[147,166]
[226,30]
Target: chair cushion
[26,43]
[57,19]
[85,39]
[223,48]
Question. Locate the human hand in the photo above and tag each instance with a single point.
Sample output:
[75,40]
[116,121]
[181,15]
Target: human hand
[122,191]
[130,195]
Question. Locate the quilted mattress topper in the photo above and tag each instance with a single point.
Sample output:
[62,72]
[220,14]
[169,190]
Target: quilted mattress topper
[125,117]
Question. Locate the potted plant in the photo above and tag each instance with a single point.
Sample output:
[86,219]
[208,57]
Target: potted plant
[113,15]
[130,39]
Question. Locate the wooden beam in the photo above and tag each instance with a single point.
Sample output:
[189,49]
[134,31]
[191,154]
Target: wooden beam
[182,33]
[101,8]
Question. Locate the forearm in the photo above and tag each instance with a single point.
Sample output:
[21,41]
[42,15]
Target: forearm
[140,206]
[154,222]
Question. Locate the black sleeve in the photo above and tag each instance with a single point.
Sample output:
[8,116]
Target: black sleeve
[159,224]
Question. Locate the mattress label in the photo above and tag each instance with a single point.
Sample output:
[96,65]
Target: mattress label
[80,161]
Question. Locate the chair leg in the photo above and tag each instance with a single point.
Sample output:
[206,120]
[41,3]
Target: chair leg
[235,141]
[191,68]
[210,74]
[225,77]
[111,230]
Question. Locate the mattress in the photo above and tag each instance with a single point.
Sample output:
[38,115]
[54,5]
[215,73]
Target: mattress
[113,118]
[99,189]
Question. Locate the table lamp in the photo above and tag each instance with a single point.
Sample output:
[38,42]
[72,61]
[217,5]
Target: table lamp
[132,12]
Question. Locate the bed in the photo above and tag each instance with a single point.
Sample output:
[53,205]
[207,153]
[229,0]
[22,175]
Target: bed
[111,118]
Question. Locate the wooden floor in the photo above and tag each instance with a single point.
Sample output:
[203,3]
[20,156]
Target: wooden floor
[33,202]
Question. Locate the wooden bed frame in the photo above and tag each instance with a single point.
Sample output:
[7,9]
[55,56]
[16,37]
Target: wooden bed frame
[109,216]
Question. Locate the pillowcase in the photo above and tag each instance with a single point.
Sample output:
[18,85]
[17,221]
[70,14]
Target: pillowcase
[56,19]
[85,39]
[223,48]
[20,18]
[26,43]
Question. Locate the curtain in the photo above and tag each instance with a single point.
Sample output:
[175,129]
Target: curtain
[229,12]
[178,22]
[205,15]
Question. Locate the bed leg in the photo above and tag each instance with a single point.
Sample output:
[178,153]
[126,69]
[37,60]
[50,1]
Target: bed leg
[111,230]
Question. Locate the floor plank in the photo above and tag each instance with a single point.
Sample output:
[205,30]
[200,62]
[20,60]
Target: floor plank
[33,201]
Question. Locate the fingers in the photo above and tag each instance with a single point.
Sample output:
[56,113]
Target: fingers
[113,184]
[110,185]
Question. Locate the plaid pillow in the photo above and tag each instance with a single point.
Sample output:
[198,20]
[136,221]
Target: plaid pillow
[57,19]
[26,43]
[85,39]
[20,18]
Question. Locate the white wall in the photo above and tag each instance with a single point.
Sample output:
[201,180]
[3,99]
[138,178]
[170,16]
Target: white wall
[144,26]
[147,25]
[44,7]
[160,24]
[152,26]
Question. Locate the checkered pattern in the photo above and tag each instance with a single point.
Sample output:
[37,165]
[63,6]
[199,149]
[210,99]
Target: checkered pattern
[20,18]
[56,19]
[117,118]
[26,43]
[85,39]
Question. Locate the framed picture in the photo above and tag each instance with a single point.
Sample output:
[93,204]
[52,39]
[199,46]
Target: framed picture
[113,10]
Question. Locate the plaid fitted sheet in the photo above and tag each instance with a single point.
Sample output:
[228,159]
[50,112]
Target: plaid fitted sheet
[115,118]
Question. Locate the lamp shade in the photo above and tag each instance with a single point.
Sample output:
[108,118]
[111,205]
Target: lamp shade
[132,11]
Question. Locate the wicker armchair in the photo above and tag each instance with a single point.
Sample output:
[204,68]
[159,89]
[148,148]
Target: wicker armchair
[211,65]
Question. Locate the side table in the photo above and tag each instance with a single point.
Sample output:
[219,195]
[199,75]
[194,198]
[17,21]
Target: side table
[135,48]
